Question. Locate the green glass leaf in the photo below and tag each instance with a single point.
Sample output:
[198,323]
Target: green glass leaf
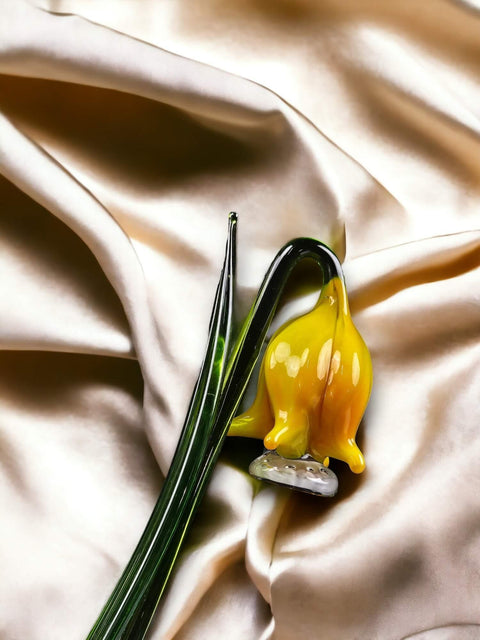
[129,609]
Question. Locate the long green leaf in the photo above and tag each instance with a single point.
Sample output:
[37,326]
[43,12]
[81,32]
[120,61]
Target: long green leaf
[128,611]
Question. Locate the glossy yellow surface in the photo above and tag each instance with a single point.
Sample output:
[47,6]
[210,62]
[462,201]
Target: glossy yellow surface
[314,385]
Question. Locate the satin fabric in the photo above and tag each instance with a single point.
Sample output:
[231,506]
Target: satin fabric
[128,130]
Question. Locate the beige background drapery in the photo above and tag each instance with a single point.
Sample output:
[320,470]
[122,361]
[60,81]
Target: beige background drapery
[128,130]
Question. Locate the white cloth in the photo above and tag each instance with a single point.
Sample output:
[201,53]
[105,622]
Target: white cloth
[128,130]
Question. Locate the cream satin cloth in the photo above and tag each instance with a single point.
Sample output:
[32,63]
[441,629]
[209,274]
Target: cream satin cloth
[128,130]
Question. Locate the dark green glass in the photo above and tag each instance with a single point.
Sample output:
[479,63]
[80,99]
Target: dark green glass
[219,389]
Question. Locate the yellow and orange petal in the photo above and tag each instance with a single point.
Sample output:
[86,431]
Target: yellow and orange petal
[314,385]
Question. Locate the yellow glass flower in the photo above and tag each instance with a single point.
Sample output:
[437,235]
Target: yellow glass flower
[314,385]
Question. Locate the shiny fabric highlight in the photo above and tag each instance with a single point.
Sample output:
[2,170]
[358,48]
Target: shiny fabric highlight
[128,130]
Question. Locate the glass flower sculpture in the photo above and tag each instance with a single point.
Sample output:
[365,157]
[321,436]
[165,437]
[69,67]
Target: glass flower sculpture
[315,381]
[314,385]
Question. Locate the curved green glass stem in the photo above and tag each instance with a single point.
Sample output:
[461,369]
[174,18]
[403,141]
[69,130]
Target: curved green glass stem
[215,400]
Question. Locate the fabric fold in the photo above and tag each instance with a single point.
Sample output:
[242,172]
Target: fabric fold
[127,133]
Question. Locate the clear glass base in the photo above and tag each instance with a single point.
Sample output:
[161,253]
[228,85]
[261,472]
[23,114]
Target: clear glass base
[304,474]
